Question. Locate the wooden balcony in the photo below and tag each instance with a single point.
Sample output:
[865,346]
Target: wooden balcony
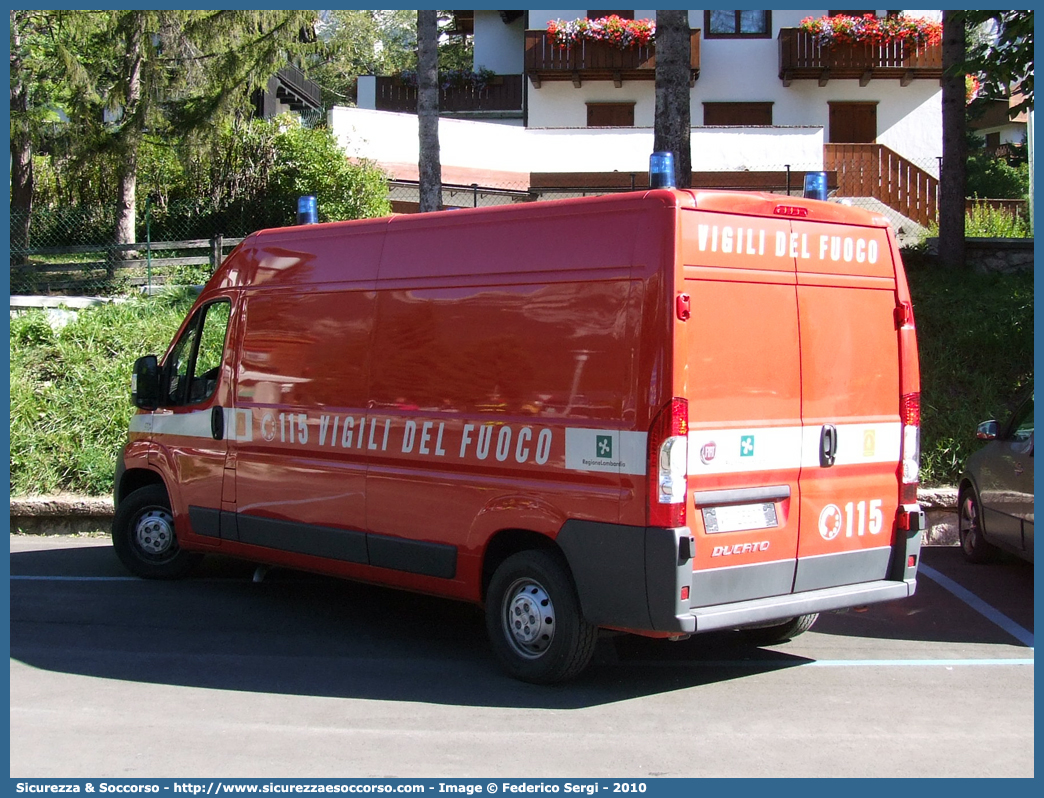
[296,90]
[587,60]
[502,94]
[802,58]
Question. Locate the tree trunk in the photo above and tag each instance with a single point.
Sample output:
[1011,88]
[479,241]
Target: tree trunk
[672,125]
[429,165]
[952,178]
[21,152]
[133,124]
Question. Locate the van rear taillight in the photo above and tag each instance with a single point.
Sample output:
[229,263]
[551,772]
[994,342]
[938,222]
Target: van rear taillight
[911,451]
[668,465]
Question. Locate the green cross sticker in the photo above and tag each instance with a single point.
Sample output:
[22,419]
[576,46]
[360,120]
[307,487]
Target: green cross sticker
[604,446]
[747,446]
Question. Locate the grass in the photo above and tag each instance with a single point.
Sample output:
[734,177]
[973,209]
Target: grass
[70,388]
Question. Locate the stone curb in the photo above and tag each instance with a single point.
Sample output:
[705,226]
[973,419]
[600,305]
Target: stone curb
[70,515]
[63,514]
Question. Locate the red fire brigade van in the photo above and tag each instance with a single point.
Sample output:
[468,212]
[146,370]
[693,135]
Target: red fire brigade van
[663,412]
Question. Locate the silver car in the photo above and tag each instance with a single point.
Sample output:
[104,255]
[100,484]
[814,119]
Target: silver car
[995,498]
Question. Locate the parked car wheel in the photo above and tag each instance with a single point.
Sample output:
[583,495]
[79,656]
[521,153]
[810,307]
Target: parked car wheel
[144,539]
[780,632]
[533,618]
[969,524]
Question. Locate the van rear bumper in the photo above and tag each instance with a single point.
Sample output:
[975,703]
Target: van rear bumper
[741,613]
[634,577]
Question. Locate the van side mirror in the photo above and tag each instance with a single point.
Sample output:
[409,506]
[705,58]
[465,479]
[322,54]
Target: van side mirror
[987,431]
[145,383]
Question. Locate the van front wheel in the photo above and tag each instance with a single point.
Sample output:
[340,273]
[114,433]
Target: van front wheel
[143,536]
[534,621]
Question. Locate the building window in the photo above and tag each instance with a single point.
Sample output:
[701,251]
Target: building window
[744,114]
[610,114]
[737,24]
[598,14]
[852,122]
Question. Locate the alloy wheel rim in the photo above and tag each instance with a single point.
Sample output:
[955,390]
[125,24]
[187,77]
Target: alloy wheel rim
[969,524]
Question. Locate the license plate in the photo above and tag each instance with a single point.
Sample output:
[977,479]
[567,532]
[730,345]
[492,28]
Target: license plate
[739,517]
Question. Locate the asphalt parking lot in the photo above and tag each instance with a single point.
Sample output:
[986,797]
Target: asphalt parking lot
[303,676]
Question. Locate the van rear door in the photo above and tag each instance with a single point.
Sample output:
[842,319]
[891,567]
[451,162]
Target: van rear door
[850,403]
[744,391]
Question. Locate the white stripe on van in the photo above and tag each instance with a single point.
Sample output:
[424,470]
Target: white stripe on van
[239,424]
[735,451]
[856,443]
[717,451]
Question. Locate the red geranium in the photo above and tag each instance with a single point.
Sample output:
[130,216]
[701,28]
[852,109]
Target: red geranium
[616,31]
[868,29]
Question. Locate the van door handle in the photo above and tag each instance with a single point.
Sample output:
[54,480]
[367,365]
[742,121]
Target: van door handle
[217,422]
[827,445]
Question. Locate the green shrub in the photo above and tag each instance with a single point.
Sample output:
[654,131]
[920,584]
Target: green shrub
[309,161]
[985,221]
[975,337]
[995,178]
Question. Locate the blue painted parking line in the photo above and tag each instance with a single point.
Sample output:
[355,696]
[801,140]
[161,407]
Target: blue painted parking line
[789,663]
[23,578]
[138,579]
[1000,619]
[948,663]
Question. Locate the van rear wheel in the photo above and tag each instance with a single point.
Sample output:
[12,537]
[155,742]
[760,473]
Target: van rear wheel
[144,539]
[533,618]
[780,632]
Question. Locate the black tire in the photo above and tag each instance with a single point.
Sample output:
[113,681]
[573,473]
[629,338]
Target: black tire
[780,632]
[533,618]
[969,525]
[144,539]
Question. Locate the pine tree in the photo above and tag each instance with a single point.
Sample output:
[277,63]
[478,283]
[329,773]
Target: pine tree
[168,73]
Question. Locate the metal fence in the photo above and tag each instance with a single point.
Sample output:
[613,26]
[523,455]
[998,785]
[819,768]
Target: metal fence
[70,250]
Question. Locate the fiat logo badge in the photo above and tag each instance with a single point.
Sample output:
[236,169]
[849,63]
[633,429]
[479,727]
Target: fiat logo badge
[707,452]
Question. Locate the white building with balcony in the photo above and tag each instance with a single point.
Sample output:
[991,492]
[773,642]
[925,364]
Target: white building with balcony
[768,103]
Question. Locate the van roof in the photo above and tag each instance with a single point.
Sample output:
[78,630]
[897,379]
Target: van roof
[746,203]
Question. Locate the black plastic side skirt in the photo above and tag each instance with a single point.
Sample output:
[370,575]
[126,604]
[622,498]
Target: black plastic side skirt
[346,545]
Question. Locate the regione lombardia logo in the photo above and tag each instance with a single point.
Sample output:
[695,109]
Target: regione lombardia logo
[747,446]
[604,446]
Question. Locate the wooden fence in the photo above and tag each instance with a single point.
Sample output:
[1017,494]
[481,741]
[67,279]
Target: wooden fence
[503,93]
[873,170]
[1016,207]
